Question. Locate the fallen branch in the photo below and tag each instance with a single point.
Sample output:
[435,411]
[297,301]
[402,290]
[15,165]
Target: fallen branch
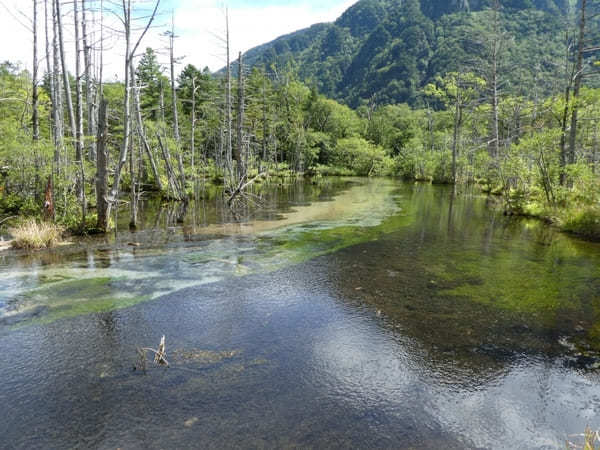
[241,187]
[6,219]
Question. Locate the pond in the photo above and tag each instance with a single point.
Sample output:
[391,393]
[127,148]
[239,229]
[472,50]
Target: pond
[344,313]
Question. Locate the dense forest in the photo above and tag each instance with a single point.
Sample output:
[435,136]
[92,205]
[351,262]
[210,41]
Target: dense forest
[499,94]
[388,50]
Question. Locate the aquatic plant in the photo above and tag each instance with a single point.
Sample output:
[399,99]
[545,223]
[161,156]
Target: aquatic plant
[591,441]
[34,235]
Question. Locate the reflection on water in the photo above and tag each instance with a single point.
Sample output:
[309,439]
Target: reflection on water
[354,314]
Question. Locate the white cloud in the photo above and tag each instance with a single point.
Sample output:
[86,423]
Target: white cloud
[199,24]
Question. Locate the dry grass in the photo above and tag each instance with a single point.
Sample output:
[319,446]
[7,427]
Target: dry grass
[591,441]
[34,235]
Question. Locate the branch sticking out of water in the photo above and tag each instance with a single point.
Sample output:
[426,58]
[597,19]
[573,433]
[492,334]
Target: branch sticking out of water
[160,355]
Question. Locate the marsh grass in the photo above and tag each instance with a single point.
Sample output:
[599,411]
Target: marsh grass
[34,235]
[591,441]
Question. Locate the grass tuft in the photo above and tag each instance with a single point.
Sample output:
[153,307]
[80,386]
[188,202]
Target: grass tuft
[34,235]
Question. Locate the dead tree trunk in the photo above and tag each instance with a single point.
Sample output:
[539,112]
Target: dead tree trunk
[142,133]
[79,124]
[493,77]
[133,204]
[228,120]
[50,73]
[65,74]
[239,147]
[577,85]
[90,101]
[173,181]
[129,54]
[35,119]
[57,104]
[102,167]
[176,133]
[193,137]
[565,114]
[457,123]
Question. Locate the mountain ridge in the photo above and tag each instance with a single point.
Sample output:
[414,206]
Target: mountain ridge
[389,49]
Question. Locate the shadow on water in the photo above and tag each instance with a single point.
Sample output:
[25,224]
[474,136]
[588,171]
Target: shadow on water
[354,314]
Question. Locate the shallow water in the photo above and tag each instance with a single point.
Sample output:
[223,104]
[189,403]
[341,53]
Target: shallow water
[353,313]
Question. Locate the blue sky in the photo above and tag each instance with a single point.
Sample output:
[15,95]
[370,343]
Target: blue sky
[199,23]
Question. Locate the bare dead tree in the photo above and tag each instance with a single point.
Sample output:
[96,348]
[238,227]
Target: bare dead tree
[569,75]
[65,74]
[129,54]
[577,84]
[102,166]
[142,134]
[176,132]
[79,117]
[493,80]
[193,125]
[239,147]
[57,103]
[35,119]
[90,101]
[228,119]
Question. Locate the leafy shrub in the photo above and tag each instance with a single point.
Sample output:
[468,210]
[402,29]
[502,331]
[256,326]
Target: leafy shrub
[362,157]
[584,221]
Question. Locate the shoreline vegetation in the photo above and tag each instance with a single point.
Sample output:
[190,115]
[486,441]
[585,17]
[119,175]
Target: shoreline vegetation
[31,233]
[75,147]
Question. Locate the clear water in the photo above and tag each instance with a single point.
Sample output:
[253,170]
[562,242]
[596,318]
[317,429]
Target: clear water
[351,313]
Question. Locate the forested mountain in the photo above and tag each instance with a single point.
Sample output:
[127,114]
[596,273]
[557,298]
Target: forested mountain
[390,49]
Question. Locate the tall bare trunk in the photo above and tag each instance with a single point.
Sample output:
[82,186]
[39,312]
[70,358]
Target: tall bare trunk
[79,123]
[176,133]
[577,85]
[49,71]
[102,167]
[65,74]
[129,54]
[456,136]
[565,114]
[228,124]
[265,124]
[142,134]
[193,137]
[57,110]
[495,138]
[90,100]
[239,147]
[114,193]
[35,119]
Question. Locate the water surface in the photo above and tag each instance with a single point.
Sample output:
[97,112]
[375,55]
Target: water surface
[348,313]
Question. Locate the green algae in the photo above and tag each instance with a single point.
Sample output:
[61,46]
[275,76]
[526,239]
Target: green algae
[70,298]
[358,215]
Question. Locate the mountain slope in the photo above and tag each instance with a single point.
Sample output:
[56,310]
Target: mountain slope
[388,49]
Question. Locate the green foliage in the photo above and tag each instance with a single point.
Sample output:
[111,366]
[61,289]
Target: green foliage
[389,49]
[362,157]
[584,221]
